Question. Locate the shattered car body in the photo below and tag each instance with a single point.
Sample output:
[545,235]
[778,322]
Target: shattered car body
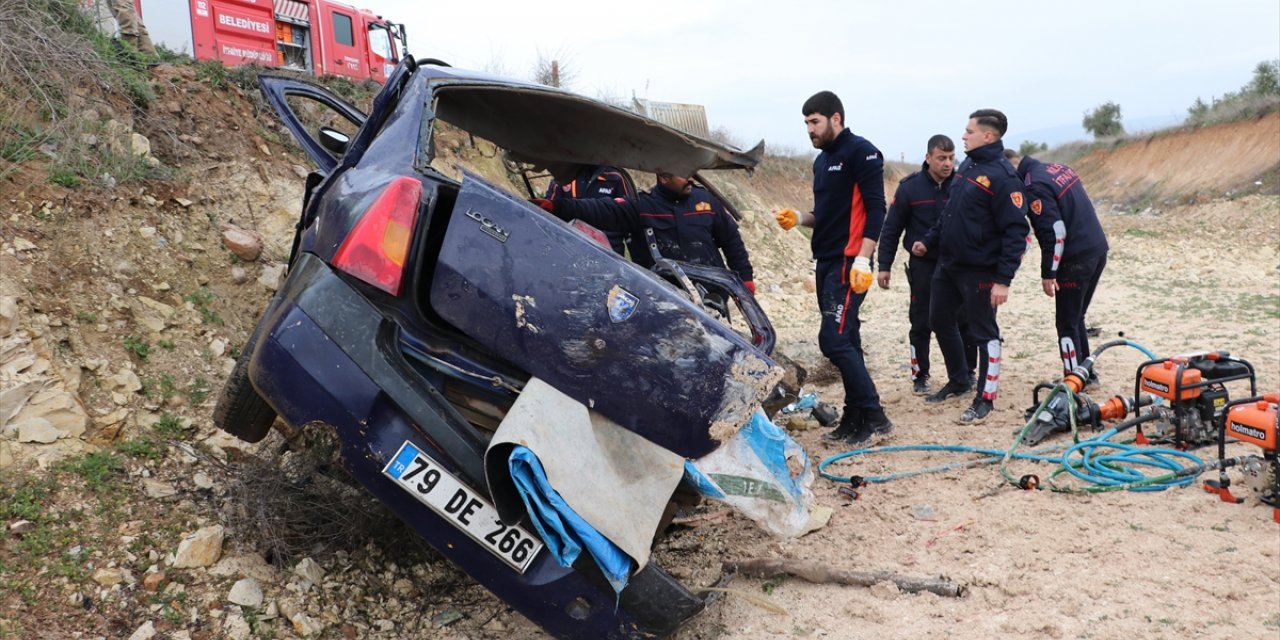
[418,307]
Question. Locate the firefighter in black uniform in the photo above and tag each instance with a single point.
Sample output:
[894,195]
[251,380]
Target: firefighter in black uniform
[596,181]
[914,209]
[979,240]
[689,224]
[1073,248]
[848,212]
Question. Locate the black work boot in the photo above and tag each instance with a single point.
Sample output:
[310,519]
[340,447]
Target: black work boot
[920,386]
[948,391]
[977,412]
[875,424]
[850,423]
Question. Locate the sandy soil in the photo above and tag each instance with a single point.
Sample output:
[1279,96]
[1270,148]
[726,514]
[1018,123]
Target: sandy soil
[1171,564]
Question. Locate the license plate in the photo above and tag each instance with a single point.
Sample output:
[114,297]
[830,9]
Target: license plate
[426,480]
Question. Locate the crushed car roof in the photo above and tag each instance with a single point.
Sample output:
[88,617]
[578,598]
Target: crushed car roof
[551,128]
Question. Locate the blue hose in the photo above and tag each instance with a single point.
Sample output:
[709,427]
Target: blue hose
[1102,471]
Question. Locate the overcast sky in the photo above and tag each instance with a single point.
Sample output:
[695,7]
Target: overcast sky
[905,70]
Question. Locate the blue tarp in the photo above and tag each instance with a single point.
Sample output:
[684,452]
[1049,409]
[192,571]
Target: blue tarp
[565,533]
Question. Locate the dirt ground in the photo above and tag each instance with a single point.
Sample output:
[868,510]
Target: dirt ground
[126,302]
[1171,564]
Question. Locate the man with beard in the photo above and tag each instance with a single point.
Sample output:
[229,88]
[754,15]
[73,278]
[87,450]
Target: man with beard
[848,211]
[914,209]
[979,240]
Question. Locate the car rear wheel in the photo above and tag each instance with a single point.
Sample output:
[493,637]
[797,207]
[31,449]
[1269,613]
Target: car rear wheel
[240,410]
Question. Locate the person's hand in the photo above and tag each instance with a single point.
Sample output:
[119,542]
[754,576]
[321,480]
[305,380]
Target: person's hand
[999,294]
[750,285]
[882,279]
[918,249]
[544,204]
[1050,286]
[860,277]
[787,218]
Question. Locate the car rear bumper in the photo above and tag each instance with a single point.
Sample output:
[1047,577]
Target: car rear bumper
[327,355]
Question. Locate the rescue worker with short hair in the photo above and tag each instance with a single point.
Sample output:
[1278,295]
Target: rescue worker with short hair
[1073,248]
[596,181]
[689,224]
[979,240]
[914,209]
[848,212]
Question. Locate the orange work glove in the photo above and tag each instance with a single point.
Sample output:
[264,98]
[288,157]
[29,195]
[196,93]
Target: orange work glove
[860,275]
[787,218]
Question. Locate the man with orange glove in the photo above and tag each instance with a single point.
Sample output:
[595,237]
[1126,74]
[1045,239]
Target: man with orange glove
[848,211]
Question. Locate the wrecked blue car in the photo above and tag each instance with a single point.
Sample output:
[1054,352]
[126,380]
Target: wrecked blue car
[466,347]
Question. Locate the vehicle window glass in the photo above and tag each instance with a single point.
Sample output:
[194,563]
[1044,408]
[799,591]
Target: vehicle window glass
[342,32]
[379,41]
[313,115]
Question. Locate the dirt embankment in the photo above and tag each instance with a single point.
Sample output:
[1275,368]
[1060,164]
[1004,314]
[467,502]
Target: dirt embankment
[1188,165]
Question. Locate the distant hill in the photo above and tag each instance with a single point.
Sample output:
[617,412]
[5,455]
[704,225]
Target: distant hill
[1061,134]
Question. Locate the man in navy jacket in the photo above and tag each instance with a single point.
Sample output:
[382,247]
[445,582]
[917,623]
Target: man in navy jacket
[848,211]
[689,224]
[596,181]
[979,240]
[1073,247]
[914,209]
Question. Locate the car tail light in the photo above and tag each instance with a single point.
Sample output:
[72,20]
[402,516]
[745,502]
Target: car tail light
[376,249]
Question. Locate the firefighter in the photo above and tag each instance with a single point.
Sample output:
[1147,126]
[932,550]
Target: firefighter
[596,181]
[912,212]
[1073,248]
[689,224]
[848,211]
[131,28]
[978,240]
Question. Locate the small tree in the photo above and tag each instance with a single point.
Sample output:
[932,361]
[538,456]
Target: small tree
[1028,147]
[551,72]
[1103,121]
[1266,79]
[1197,111]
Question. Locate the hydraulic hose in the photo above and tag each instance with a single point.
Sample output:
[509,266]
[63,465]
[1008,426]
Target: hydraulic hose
[1103,464]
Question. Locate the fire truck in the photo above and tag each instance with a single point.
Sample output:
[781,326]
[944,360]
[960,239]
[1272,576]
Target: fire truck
[317,36]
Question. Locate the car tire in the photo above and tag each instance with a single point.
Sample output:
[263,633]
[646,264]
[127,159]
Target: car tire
[240,411]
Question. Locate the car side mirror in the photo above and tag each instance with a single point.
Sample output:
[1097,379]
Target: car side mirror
[334,140]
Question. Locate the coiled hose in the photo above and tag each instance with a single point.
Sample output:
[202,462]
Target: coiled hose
[1103,464]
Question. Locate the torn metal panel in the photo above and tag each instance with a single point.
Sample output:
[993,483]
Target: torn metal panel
[609,334]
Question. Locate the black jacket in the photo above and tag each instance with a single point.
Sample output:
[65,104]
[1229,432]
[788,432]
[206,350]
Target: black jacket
[848,196]
[598,181]
[693,228]
[1062,215]
[984,225]
[914,210]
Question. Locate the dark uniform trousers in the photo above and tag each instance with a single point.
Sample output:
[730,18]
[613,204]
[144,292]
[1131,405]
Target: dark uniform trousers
[969,292]
[920,280]
[839,336]
[1077,280]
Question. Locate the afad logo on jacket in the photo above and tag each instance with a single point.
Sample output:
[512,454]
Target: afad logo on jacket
[836,167]
[702,207]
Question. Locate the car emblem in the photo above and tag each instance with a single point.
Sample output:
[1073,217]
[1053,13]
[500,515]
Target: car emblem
[488,226]
[622,304]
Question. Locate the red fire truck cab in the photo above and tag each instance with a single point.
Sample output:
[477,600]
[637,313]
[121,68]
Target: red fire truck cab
[319,36]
